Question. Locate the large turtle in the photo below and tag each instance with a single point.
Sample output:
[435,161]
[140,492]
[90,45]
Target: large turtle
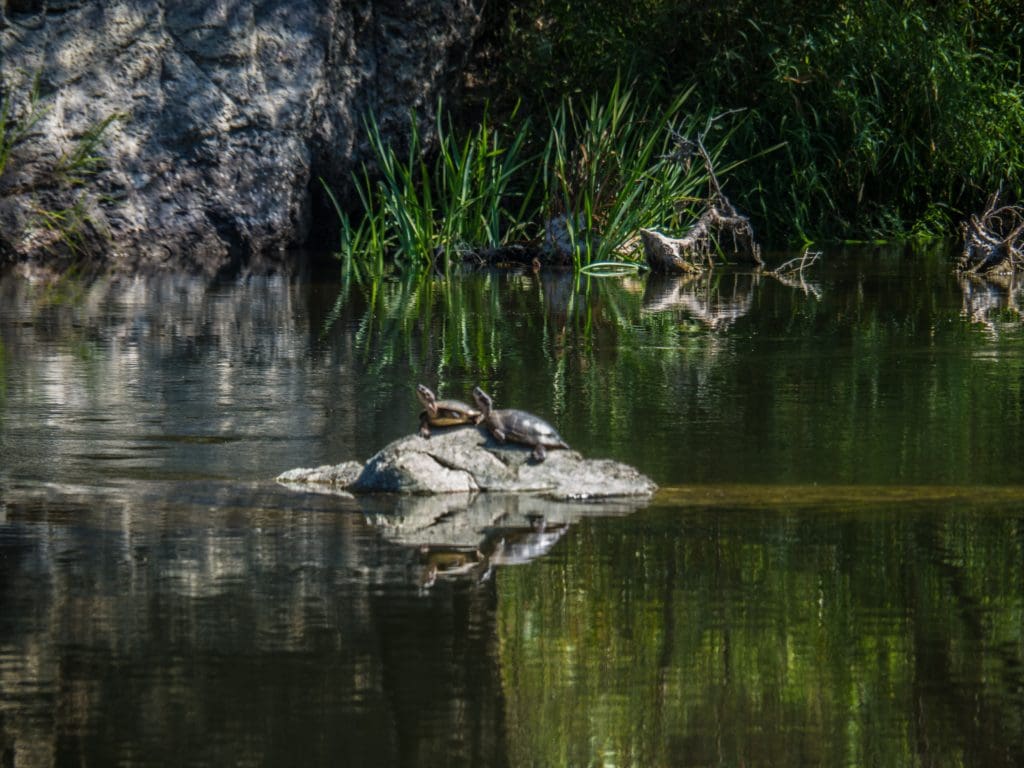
[518,426]
[443,413]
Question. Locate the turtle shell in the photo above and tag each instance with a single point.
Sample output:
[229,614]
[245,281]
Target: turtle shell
[448,413]
[522,427]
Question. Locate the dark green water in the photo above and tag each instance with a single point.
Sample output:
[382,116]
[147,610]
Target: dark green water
[833,573]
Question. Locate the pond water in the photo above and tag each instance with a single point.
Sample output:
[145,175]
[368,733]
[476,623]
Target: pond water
[831,574]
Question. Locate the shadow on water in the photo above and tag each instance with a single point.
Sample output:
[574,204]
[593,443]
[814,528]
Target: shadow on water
[832,574]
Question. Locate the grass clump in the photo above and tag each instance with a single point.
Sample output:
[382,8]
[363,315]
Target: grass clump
[417,207]
[608,171]
[13,131]
[575,187]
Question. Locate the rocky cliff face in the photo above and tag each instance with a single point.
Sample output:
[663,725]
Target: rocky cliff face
[226,111]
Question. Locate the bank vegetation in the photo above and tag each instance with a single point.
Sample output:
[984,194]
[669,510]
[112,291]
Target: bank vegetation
[831,122]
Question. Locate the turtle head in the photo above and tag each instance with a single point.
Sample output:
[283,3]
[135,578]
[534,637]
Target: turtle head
[483,400]
[426,397]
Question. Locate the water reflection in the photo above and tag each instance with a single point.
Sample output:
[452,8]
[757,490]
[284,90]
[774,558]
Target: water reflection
[469,535]
[993,300]
[713,299]
[163,601]
[847,636]
[236,625]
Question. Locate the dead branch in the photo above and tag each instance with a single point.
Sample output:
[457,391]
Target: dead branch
[993,241]
[795,265]
[720,228]
[791,273]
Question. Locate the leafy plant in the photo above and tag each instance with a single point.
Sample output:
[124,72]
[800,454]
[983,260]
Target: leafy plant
[608,171]
[605,169]
[889,111]
[83,159]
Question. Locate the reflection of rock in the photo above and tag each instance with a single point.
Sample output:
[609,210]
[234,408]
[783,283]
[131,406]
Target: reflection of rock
[457,519]
[465,537]
[250,586]
[716,301]
[468,459]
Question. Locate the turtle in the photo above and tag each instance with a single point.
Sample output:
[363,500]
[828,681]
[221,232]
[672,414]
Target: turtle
[518,426]
[443,413]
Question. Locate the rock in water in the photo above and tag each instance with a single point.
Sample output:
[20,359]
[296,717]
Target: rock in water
[468,459]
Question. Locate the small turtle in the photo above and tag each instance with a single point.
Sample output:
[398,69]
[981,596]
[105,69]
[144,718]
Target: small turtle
[443,413]
[518,426]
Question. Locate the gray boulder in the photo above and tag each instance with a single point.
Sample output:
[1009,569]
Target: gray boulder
[468,460]
[227,113]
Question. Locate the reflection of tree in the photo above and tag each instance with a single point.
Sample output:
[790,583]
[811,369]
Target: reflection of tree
[714,300]
[719,638]
[946,680]
[992,300]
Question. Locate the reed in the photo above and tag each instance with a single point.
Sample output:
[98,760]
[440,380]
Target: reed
[603,167]
[14,130]
[608,171]
[418,207]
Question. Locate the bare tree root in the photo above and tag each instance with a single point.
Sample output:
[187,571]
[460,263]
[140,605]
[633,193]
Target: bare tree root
[993,241]
[719,229]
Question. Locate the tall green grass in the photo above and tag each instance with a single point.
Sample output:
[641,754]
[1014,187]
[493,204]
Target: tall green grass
[603,168]
[609,171]
[419,207]
[14,130]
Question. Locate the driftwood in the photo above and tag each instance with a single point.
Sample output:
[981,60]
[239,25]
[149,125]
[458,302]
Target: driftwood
[791,273]
[720,228]
[993,241]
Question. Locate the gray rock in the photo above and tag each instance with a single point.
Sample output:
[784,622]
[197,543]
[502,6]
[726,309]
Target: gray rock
[229,111]
[338,476]
[467,459]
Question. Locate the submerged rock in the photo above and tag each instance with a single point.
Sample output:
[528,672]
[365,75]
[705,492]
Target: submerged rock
[469,460]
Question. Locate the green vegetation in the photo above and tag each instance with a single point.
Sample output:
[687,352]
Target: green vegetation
[897,118]
[415,208]
[924,365]
[13,131]
[859,122]
[602,168]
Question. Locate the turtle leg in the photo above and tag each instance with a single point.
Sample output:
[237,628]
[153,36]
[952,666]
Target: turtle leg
[538,452]
[499,434]
[424,427]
